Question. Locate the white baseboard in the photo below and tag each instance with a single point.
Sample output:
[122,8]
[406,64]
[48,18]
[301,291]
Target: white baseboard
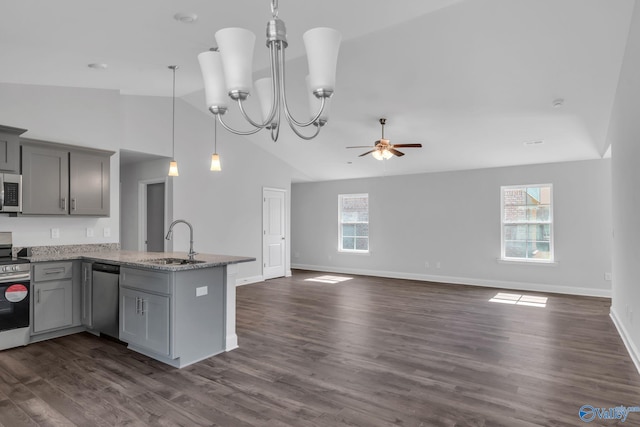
[288,274]
[231,342]
[501,284]
[249,280]
[626,339]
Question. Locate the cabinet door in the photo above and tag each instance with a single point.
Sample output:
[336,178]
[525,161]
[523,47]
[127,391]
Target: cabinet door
[10,149]
[45,180]
[131,323]
[144,320]
[155,314]
[86,317]
[89,183]
[52,308]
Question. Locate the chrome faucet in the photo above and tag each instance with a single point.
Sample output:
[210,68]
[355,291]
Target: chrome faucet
[170,234]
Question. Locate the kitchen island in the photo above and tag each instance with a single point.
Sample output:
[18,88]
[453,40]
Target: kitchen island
[172,308]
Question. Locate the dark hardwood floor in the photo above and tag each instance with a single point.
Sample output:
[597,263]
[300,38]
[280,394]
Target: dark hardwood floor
[362,352]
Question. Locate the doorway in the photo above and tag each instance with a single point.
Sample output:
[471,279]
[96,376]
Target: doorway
[152,215]
[273,236]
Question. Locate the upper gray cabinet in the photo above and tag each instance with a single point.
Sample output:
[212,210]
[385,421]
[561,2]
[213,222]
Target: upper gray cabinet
[64,180]
[10,149]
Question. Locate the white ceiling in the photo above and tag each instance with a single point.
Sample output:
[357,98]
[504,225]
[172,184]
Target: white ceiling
[472,80]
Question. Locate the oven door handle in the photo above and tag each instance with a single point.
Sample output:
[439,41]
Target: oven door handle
[15,277]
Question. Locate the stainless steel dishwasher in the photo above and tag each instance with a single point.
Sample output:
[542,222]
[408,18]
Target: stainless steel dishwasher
[104,299]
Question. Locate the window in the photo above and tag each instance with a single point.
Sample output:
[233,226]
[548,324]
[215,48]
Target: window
[353,217]
[527,223]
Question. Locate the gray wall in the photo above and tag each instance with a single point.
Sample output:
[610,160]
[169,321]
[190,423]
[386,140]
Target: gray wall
[454,219]
[624,135]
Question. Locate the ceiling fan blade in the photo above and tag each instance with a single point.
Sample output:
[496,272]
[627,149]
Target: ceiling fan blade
[368,152]
[360,146]
[408,145]
[396,152]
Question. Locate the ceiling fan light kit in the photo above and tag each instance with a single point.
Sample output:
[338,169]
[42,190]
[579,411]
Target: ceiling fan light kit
[227,74]
[383,149]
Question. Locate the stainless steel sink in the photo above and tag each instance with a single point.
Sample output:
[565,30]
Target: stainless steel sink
[171,261]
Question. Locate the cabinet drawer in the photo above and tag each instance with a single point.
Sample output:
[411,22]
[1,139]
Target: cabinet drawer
[146,280]
[52,271]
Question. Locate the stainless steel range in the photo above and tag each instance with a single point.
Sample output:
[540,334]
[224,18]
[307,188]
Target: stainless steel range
[15,286]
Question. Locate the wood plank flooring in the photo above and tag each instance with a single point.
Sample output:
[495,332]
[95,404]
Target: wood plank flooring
[362,352]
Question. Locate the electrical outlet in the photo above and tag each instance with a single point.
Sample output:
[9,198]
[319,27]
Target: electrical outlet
[89,232]
[426,264]
[607,277]
[55,233]
[202,290]
[438,264]
[107,232]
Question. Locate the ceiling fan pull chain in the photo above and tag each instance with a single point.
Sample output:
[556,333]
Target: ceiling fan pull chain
[274,8]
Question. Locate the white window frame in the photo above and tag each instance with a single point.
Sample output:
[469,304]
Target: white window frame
[551,259]
[341,197]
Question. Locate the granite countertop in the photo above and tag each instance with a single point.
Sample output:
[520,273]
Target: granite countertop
[140,259]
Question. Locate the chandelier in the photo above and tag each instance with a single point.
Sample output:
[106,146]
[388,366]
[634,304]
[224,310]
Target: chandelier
[227,72]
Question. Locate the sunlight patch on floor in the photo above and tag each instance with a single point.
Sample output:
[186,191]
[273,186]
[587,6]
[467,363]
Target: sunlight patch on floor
[518,299]
[328,279]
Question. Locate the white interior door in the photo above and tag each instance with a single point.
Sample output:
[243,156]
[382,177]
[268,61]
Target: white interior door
[273,239]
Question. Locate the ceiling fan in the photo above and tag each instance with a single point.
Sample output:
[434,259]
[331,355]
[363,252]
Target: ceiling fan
[383,149]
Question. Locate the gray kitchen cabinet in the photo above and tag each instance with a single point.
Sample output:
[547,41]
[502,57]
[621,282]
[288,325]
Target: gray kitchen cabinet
[144,320]
[89,183]
[53,300]
[86,317]
[10,149]
[177,317]
[61,179]
[45,180]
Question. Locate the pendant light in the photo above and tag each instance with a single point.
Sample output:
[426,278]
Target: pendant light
[173,165]
[215,158]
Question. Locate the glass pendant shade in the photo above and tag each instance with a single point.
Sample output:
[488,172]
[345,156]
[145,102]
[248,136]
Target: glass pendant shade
[213,77]
[386,154]
[322,46]
[265,96]
[173,168]
[215,162]
[315,103]
[236,47]
[377,155]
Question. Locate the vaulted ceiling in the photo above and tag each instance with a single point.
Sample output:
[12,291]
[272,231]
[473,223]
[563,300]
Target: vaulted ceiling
[473,80]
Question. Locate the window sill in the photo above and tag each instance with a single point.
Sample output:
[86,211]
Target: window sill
[523,262]
[367,253]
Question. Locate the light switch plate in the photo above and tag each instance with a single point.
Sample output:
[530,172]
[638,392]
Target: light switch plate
[202,290]
[55,233]
[89,232]
[107,232]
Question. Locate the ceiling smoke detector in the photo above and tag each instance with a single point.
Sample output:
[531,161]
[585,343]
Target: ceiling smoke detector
[186,18]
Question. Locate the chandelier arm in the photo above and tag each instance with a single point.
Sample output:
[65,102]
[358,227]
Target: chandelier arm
[275,130]
[247,118]
[283,94]
[237,132]
[297,132]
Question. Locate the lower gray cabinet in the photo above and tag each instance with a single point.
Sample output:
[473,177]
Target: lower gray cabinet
[86,317]
[177,317]
[53,296]
[144,320]
[52,307]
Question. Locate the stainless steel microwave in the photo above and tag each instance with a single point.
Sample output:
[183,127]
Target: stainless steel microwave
[10,192]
